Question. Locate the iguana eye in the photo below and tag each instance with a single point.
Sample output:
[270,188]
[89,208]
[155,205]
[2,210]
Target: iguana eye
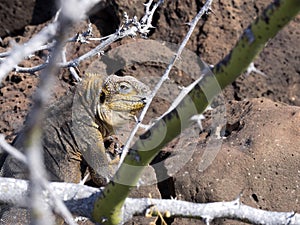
[124,88]
[102,97]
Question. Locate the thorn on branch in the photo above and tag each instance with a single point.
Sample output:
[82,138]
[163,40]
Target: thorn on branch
[207,220]
[251,68]
[289,218]
[75,74]
[210,11]
[237,202]
[198,118]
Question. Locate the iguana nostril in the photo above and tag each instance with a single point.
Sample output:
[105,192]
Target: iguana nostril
[144,100]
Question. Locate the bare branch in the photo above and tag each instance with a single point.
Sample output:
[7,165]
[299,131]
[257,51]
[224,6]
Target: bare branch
[130,27]
[58,205]
[80,201]
[34,129]
[12,151]
[251,68]
[71,69]
[21,51]
[210,211]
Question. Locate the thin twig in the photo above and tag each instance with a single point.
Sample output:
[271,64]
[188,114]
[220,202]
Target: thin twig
[165,76]
[19,52]
[12,150]
[39,48]
[71,69]
[131,28]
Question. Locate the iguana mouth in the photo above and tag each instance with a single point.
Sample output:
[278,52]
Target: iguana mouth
[132,103]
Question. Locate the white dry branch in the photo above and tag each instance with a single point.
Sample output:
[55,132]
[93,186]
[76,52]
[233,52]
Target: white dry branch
[80,201]
[58,204]
[205,9]
[11,150]
[21,51]
[129,27]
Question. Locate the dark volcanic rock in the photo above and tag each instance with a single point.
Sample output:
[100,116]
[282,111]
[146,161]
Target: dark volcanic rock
[15,14]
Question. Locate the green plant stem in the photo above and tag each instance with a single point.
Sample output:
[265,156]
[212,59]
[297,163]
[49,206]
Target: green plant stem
[108,208]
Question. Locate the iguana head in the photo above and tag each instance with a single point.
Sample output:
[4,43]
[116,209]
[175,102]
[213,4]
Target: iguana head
[121,99]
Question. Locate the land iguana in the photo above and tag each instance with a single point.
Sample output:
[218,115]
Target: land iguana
[75,128]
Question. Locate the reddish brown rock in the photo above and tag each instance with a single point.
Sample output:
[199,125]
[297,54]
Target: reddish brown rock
[259,160]
[15,14]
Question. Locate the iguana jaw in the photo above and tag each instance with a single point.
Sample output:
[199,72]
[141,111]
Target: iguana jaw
[119,112]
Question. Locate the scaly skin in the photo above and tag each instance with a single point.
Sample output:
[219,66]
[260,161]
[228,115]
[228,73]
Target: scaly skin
[75,127]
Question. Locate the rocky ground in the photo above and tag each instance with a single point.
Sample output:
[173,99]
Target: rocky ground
[258,157]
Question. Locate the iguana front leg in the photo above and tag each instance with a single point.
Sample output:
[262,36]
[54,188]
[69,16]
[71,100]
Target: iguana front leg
[86,132]
[94,153]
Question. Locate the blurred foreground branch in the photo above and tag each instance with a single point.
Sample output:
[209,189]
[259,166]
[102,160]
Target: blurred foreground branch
[80,201]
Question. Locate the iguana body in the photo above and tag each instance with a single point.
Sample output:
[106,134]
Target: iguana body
[75,127]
